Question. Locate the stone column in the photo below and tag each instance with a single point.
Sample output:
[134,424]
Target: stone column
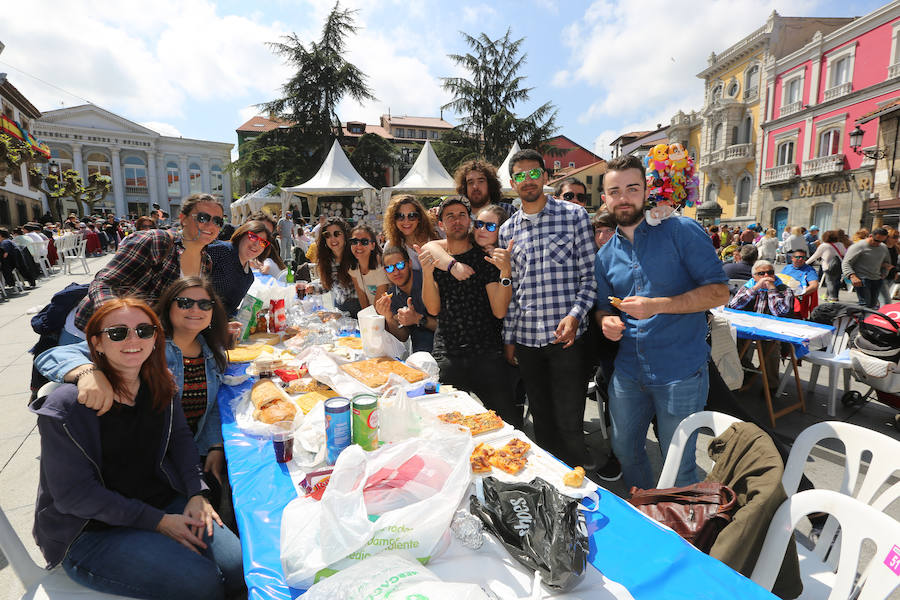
[184,178]
[152,180]
[118,183]
[204,175]
[162,177]
[226,187]
[78,161]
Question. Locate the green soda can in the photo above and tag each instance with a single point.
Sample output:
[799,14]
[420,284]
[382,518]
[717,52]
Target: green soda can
[364,411]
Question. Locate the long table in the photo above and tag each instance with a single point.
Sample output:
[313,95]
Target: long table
[650,561]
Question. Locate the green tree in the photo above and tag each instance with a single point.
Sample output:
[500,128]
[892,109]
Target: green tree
[486,101]
[372,156]
[70,184]
[307,106]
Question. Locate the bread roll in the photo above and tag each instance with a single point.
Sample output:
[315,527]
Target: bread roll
[263,392]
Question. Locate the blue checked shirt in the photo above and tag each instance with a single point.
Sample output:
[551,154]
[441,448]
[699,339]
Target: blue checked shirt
[552,272]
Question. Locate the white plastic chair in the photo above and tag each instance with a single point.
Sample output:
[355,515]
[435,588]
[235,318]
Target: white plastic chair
[830,358]
[859,522]
[40,583]
[716,421]
[76,252]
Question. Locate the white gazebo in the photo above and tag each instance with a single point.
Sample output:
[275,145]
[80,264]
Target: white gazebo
[504,175]
[267,198]
[428,177]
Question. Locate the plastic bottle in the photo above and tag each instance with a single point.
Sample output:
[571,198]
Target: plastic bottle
[289,278]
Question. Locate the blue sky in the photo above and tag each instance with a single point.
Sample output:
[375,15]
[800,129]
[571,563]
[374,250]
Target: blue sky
[197,68]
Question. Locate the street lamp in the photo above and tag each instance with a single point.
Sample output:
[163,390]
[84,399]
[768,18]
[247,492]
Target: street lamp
[856,138]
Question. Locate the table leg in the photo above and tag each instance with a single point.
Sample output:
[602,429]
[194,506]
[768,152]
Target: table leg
[752,378]
[765,382]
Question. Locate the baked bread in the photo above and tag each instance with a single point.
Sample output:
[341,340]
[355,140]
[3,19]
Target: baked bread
[263,392]
[375,371]
[265,338]
[574,478]
[270,405]
[244,352]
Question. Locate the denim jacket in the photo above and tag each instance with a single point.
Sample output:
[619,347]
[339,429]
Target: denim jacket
[56,362]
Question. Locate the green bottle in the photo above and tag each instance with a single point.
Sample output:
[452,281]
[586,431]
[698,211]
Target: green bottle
[290,275]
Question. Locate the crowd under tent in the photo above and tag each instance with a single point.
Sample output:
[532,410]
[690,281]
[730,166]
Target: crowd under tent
[428,178]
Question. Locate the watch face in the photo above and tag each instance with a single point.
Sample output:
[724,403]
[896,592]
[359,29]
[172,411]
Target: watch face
[505,281]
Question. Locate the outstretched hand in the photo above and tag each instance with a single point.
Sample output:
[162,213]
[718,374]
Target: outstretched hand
[501,258]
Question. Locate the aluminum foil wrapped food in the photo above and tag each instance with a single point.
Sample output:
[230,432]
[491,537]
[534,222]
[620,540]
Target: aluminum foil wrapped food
[468,529]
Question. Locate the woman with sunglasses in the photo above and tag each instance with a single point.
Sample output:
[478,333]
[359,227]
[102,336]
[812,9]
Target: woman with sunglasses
[231,275]
[335,261]
[368,275]
[485,231]
[408,224]
[121,502]
[147,262]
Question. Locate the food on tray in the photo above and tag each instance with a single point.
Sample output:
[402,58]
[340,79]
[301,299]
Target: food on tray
[306,384]
[326,315]
[270,405]
[511,457]
[375,371]
[291,374]
[480,459]
[574,478]
[350,342]
[615,301]
[244,352]
[265,338]
[308,401]
[478,423]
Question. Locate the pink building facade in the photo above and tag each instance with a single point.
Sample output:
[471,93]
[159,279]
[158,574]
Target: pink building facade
[816,96]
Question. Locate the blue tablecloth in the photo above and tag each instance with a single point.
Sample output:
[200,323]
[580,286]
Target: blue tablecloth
[651,562]
[800,344]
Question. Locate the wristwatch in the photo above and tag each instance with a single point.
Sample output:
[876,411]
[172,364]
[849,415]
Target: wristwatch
[423,321]
[505,281]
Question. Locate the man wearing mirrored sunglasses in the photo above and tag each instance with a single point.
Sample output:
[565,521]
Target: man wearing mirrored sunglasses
[571,190]
[553,290]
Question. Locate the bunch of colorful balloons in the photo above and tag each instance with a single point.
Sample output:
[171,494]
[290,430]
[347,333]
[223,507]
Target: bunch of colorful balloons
[670,179]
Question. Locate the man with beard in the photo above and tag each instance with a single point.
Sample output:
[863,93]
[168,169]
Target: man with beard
[467,343]
[571,190]
[477,181]
[666,277]
[553,290]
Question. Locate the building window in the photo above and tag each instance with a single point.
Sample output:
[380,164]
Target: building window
[840,71]
[135,174]
[21,212]
[571,163]
[216,181]
[63,158]
[732,89]
[712,194]
[746,132]
[556,164]
[785,154]
[423,134]
[829,142]
[172,176]
[4,211]
[718,134]
[589,179]
[751,81]
[822,216]
[793,91]
[742,205]
[434,135]
[99,163]
[195,178]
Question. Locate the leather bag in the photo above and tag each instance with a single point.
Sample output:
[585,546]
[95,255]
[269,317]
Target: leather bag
[695,512]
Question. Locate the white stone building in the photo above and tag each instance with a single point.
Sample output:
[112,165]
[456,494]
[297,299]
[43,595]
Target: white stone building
[145,167]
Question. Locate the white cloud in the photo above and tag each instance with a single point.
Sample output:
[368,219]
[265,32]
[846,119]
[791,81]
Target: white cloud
[247,113]
[477,14]
[162,128]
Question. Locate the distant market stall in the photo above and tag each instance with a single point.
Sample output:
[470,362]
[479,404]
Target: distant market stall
[428,177]
[267,198]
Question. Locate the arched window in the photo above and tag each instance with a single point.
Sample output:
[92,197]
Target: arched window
[195,174]
[751,81]
[99,163]
[742,204]
[822,216]
[718,133]
[216,181]
[746,134]
[829,142]
[135,174]
[785,154]
[735,136]
[172,176]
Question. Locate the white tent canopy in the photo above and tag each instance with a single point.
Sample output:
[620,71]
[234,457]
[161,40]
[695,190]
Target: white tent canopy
[336,177]
[241,208]
[504,175]
[427,177]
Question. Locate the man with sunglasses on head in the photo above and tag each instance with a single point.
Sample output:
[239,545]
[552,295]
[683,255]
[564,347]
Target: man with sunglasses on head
[571,190]
[654,284]
[477,181]
[553,289]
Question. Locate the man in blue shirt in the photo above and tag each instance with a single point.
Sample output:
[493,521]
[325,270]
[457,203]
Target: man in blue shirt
[807,293]
[666,277]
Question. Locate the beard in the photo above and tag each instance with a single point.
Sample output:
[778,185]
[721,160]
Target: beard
[477,199]
[629,218]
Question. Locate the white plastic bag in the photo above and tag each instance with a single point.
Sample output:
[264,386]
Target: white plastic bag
[411,489]
[376,340]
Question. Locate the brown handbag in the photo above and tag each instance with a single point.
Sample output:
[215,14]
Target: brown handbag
[695,512]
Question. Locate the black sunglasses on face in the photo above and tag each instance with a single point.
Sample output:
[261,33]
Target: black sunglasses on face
[398,266]
[767,273]
[118,333]
[413,216]
[186,303]
[327,234]
[492,227]
[203,217]
[363,241]
[569,196]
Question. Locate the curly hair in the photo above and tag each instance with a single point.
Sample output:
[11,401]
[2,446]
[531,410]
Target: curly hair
[375,255]
[326,256]
[485,168]
[425,231]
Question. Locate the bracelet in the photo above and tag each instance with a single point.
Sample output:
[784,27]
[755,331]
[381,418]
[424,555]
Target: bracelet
[213,448]
[84,372]
[450,266]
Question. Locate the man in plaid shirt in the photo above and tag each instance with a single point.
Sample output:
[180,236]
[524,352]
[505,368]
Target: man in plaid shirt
[553,289]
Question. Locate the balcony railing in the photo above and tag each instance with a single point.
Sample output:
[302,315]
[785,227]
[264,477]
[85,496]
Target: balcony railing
[779,173]
[789,109]
[751,94]
[833,163]
[735,153]
[136,189]
[837,91]
[894,71]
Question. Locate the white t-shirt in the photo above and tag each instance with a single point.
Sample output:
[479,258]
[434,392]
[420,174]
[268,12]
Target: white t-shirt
[370,281]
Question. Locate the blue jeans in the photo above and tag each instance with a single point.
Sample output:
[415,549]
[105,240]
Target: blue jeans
[147,564]
[867,293]
[631,408]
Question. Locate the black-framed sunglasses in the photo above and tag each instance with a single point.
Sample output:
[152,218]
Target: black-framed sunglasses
[412,216]
[399,266]
[363,241]
[205,217]
[118,333]
[327,234]
[570,196]
[186,303]
[257,239]
[532,173]
[492,227]
[765,273]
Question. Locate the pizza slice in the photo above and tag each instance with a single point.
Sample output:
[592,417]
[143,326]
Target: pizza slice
[482,422]
[507,462]
[480,459]
[517,447]
[451,417]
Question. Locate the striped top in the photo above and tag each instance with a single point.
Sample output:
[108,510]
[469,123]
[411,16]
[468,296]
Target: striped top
[193,396]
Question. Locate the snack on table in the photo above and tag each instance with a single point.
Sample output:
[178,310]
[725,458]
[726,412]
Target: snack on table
[244,352]
[350,342]
[306,384]
[270,405]
[511,457]
[574,478]
[265,338]
[327,315]
[614,301]
[374,372]
[478,423]
[308,401]
[480,459]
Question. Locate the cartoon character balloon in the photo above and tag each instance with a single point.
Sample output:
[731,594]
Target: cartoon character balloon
[671,181]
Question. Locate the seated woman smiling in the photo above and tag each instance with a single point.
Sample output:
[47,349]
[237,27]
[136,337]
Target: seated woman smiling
[120,500]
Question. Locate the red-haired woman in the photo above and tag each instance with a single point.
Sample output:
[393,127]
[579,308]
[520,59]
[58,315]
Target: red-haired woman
[121,500]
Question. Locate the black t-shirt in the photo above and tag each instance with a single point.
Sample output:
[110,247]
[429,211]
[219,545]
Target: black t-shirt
[466,324]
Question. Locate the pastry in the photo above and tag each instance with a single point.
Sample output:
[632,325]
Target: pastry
[510,458]
[574,478]
[375,371]
[265,338]
[614,301]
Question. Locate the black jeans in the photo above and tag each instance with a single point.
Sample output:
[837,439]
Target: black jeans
[485,375]
[557,389]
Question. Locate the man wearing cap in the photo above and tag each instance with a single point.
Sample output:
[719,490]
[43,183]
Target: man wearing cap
[812,238]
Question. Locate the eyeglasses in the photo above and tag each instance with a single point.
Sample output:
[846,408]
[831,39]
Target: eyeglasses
[186,303]
[413,216]
[492,227]
[204,217]
[570,196]
[363,241]
[800,257]
[255,239]
[398,266]
[118,333]
[533,174]
[766,273]
[327,234]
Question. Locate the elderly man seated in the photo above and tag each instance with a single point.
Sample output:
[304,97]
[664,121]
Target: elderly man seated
[765,294]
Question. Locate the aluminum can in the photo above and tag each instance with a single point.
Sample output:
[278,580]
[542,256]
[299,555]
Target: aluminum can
[365,421]
[337,427]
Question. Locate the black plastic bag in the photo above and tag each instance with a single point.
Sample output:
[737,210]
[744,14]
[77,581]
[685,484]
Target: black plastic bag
[540,528]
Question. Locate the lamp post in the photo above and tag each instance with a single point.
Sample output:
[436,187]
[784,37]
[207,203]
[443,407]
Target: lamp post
[876,154]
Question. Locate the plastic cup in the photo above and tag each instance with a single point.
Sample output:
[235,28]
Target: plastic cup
[283,441]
